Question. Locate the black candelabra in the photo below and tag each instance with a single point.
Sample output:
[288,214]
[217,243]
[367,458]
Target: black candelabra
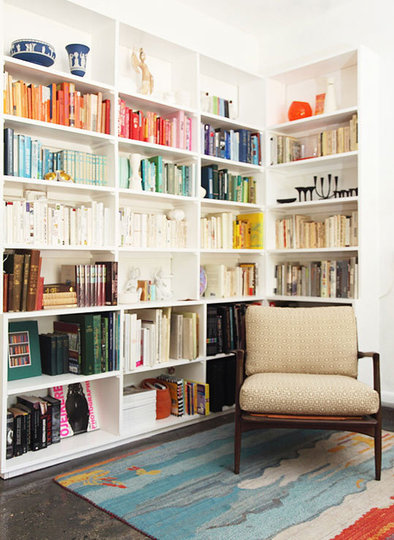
[325,190]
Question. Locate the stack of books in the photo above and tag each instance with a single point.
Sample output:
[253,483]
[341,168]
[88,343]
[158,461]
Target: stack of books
[139,408]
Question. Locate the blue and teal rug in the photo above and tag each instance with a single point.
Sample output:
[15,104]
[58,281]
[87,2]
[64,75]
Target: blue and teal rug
[293,484]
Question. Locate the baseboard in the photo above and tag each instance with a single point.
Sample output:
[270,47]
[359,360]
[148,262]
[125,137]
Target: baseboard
[388,399]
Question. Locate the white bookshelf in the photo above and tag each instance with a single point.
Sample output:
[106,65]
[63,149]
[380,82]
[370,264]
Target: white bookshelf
[180,76]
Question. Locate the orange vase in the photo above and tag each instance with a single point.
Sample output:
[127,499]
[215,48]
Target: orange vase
[299,109]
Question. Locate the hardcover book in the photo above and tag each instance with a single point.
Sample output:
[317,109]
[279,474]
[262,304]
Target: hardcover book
[78,408]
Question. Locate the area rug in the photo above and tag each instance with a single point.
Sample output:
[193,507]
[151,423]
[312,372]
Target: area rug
[293,484]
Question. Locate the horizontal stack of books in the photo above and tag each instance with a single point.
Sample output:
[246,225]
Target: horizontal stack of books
[139,408]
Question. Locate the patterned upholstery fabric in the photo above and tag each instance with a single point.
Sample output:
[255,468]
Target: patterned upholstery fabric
[295,393]
[320,340]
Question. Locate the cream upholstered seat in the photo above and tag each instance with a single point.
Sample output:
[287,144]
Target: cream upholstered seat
[300,369]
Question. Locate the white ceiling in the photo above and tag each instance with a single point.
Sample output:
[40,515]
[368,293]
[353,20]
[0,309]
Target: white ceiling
[257,16]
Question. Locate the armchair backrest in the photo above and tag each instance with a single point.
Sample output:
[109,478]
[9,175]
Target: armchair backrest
[301,340]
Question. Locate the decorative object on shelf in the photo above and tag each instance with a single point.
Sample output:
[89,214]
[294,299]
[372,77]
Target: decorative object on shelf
[205,102]
[163,396]
[58,176]
[131,293]
[33,50]
[202,192]
[325,193]
[138,61]
[303,193]
[135,180]
[77,408]
[24,358]
[176,214]
[163,285]
[319,103]
[77,57]
[299,109]
[330,102]
[286,201]
[232,110]
[203,281]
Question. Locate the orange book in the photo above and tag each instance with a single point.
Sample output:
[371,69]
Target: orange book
[29,108]
[71,105]
[66,103]
[77,105]
[40,104]
[60,97]
[99,112]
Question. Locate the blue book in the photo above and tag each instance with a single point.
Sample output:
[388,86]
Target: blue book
[207,181]
[21,155]
[243,145]
[27,170]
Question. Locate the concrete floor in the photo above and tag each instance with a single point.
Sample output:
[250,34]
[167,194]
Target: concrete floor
[33,507]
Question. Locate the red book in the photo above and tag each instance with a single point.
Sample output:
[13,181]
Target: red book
[66,103]
[107,116]
[40,293]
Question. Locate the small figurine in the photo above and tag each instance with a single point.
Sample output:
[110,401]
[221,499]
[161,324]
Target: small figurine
[163,290]
[138,61]
[131,291]
[135,180]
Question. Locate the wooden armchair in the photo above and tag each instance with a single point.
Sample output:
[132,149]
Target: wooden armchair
[300,371]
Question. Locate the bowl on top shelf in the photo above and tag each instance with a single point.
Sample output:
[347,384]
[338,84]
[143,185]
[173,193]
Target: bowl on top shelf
[299,109]
[33,50]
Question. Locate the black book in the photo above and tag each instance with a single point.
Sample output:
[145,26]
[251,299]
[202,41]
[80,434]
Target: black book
[28,424]
[10,436]
[38,420]
[54,409]
[48,351]
[212,332]
[19,426]
[9,151]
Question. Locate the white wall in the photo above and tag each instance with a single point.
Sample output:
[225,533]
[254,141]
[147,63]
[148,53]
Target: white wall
[348,24]
[174,21]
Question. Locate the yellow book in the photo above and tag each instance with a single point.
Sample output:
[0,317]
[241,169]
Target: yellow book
[256,229]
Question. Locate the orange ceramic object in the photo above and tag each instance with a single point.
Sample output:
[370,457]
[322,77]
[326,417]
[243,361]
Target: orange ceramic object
[299,109]
[163,398]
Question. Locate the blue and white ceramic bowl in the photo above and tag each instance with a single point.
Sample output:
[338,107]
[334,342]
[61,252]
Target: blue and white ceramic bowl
[33,50]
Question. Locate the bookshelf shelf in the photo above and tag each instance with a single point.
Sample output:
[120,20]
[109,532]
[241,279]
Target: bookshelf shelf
[238,166]
[311,299]
[57,132]
[315,206]
[161,107]
[31,183]
[310,163]
[314,122]
[55,312]
[232,299]
[319,250]
[35,384]
[222,121]
[44,75]
[151,149]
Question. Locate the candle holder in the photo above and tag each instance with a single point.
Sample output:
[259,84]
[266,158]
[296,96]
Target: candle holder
[325,191]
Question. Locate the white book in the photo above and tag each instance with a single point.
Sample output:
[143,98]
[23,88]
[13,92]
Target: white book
[151,327]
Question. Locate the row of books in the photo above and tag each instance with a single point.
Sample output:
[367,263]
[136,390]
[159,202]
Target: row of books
[237,145]
[34,422]
[222,185]
[187,397]
[57,103]
[217,105]
[35,219]
[228,231]
[158,176]
[27,157]
[23,286]
[301,232]
[284,149]
[323,279]
[93,341]
[225,328]
[174,129]
[94,284]
[225,282]
[142,230]
[153,336]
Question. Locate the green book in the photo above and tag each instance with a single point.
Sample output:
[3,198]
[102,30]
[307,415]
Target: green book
[90,341]
[158,161]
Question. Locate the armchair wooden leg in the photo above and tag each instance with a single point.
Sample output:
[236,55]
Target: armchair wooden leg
[378,452]
[237,444]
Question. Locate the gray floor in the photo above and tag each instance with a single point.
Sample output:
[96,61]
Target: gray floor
[33,507]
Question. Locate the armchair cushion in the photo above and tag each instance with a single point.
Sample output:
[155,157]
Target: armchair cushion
[321,340]
[310,394]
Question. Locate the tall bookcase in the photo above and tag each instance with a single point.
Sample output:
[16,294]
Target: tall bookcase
[181,77]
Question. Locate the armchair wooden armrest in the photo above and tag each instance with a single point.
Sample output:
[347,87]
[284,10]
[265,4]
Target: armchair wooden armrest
[239,373]
[376,367]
